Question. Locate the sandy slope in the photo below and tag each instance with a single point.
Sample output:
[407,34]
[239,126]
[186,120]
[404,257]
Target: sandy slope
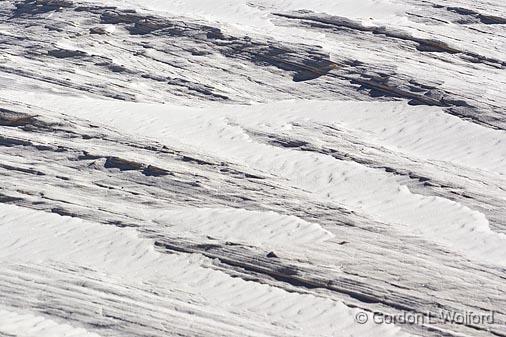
[251,168]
